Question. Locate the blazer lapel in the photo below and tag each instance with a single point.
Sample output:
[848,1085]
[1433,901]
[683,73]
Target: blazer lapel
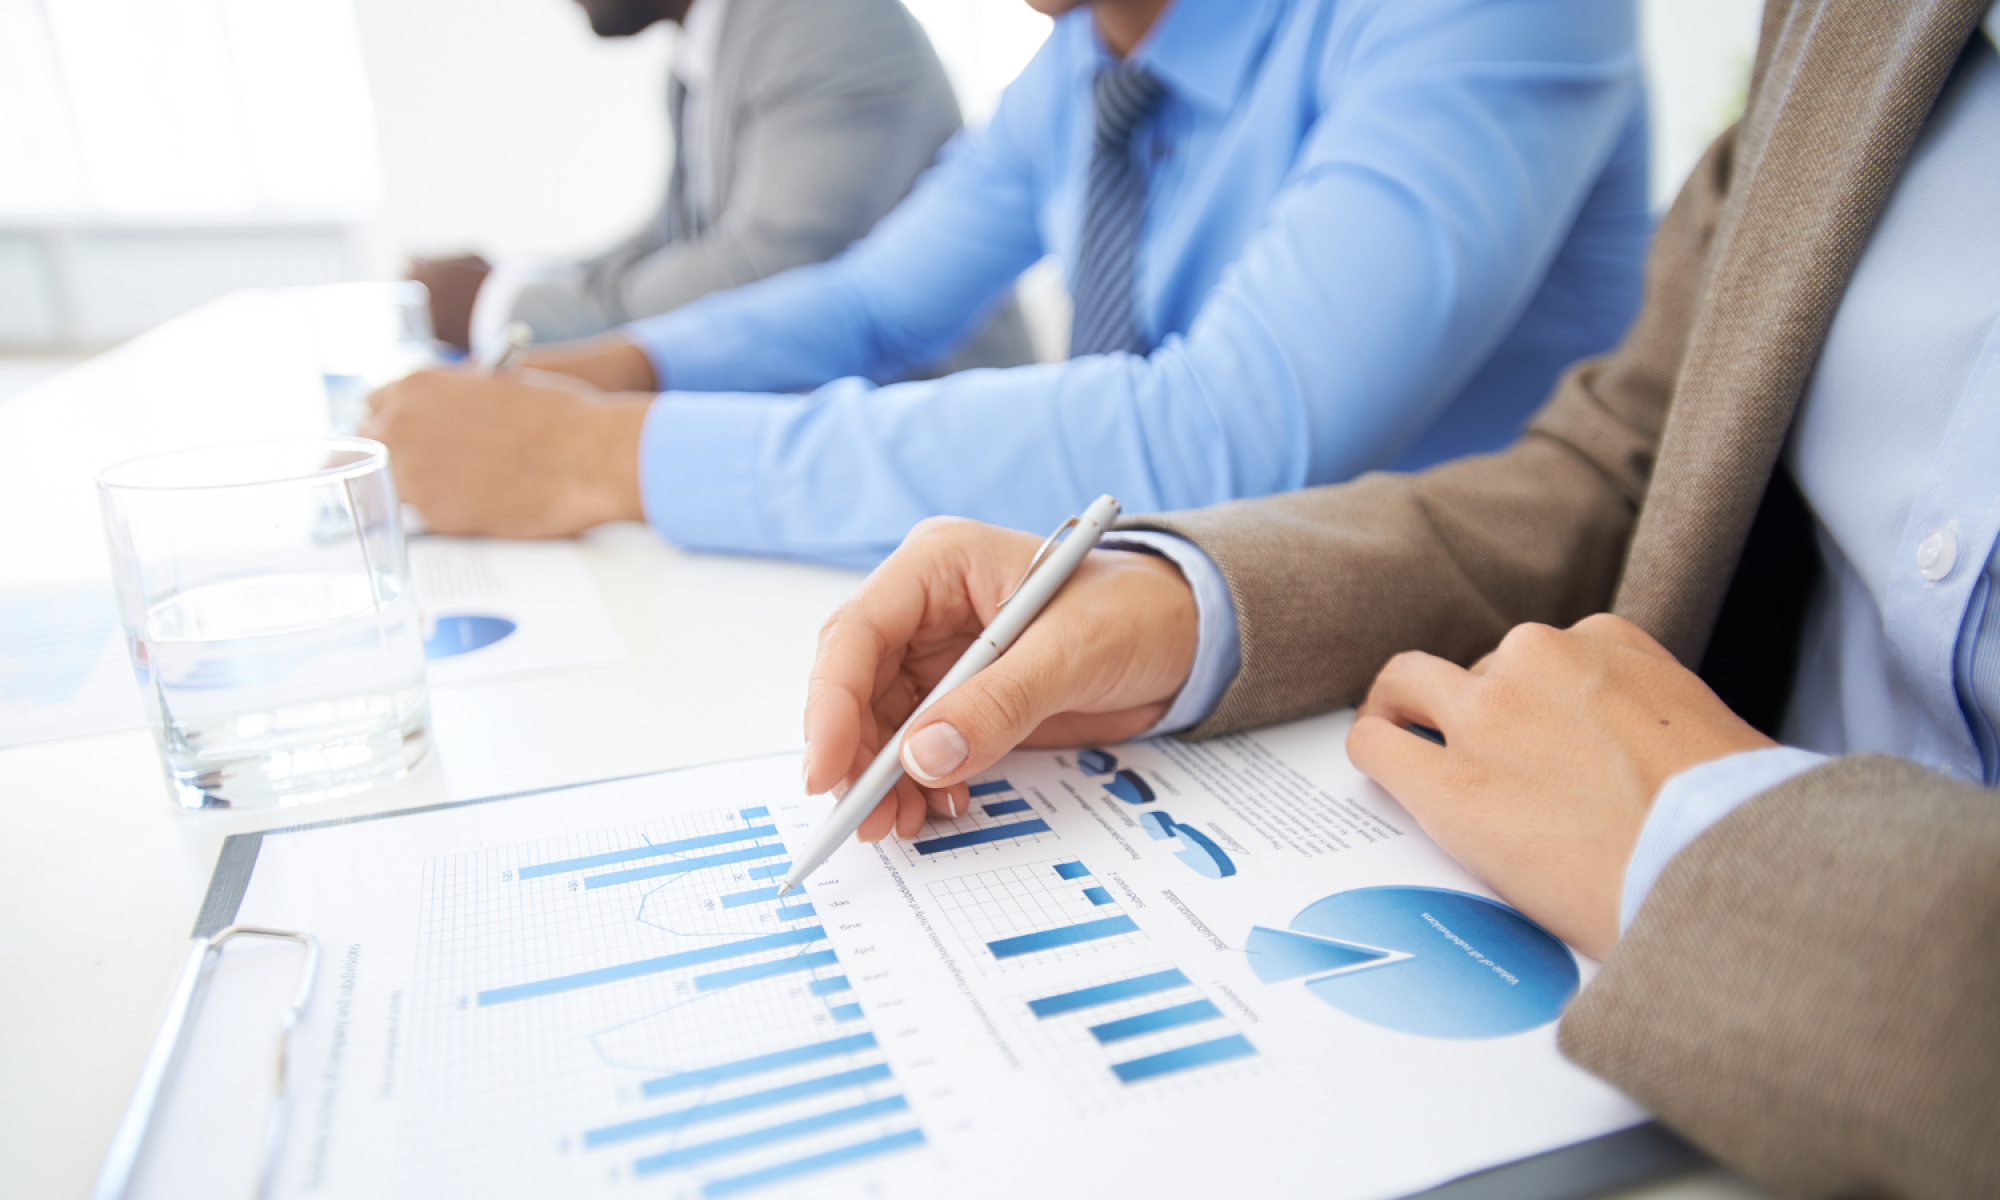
[1844,88]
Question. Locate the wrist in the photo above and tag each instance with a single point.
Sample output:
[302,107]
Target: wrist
[603,461]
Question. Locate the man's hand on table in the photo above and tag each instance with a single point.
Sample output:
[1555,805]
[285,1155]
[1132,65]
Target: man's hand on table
[1102,662]
[1555,745]
[531,456]
[454,285]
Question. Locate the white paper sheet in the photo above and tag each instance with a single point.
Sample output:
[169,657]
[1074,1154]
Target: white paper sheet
[498,608]
[64,670]
[581,991]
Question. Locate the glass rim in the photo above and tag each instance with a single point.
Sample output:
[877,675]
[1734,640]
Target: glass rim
[376,457]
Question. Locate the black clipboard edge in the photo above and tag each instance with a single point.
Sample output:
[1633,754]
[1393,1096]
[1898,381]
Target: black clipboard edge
[1642,1154]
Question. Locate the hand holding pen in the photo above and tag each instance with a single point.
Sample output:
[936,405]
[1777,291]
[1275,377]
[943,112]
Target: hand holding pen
[912,620]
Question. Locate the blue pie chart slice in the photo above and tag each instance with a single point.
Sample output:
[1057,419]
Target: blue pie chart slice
[1458,965]
[456,635]
[1130,788]
[1096,762]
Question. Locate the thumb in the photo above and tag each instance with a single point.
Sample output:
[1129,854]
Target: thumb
[973,725]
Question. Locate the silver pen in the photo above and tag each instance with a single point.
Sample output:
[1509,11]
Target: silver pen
[1051,567]
[504,357]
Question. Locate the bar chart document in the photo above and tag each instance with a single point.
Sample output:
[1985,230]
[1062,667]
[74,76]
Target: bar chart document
[1282,987]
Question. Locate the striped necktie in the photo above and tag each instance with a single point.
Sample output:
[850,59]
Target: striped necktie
[1104,320]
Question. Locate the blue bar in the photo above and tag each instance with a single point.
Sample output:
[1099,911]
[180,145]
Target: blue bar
[846,1012]
[1066,935]
[680,1118]
[687,1156]
[652,966]
[1097,895]
[1000,808]
[1071,870]
[818,1162]
[653,850]
[795,912]
[754,896]
[765,970]
[979,837]
[1106,993]
[1199,1055]
[751,814]
[680,866]
[752,1066]
[828,986]
[987,789]
[770,871]
[1153,1022]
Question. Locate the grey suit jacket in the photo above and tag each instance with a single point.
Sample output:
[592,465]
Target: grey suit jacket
[821,115]
[1812,989]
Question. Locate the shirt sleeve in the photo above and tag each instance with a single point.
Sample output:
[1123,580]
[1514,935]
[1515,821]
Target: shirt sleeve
[1695,799]
[1218,650]
[1431,193]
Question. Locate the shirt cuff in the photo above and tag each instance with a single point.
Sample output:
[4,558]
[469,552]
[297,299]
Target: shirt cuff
[1695,799]
[698,469]
[1218,649]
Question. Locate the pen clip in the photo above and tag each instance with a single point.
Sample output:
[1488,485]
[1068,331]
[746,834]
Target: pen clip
[1048,547]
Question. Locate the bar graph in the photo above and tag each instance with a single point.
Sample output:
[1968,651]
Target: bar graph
[1033,913]
[998,818]
[1127,1037]
[643,1005]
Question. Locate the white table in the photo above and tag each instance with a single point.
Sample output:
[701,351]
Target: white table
[102,877]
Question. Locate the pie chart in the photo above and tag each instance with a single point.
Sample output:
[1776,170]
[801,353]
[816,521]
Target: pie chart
[1426,961]
[456,635]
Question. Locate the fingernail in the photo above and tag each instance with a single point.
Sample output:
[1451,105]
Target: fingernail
[934,751]
[803,758]
[951,802]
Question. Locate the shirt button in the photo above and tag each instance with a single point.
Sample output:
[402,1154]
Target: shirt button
[1937,554]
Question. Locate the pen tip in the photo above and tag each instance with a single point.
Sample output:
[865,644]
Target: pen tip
[784,887]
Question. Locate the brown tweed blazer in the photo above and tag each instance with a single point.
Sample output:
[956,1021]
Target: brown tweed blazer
[1812,992]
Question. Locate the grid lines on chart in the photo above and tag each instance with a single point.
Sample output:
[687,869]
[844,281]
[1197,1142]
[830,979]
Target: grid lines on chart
[1033,913]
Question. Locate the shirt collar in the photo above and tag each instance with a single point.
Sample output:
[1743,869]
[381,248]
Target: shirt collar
[701,31]
[1203,50]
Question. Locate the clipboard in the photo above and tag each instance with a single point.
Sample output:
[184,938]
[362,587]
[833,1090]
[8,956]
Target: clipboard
[1636,1156]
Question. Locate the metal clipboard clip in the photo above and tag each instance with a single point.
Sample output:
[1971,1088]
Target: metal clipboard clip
[115,1179]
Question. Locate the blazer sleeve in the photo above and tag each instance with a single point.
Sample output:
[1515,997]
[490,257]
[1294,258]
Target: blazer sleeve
[1811,991]
[839,105]
[1329,583]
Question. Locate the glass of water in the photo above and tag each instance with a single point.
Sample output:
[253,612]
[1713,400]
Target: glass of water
[266,597]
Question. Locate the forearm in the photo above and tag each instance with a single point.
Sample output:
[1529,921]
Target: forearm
[1808,991]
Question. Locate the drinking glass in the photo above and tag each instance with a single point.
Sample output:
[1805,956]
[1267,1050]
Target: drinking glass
[366,335]
[266,598]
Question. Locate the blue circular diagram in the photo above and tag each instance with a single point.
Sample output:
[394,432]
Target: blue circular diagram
[462,634]
[1427,961]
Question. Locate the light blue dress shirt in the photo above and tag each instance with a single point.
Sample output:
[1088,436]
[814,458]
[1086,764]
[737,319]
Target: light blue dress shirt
[1897,449]
[1376,231]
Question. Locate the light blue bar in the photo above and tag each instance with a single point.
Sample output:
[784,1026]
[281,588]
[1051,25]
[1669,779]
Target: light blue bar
[770,871]
[654,850]
[1097,895]
[680,1118]
[1199,1055]
[1071,870]
[1066,935]
[689,1155]
[987,789]
[754,896]
[829,985]
[818,1162]
[1153,1022]
[652,966]
[796,912]
[979,837]
[753,1066]
[846,1012]
[765,970]
[1106,993]
[680,866]
[1000,808]
[751,814]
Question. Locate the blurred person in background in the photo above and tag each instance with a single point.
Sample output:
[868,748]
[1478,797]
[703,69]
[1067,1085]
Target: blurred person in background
[796,125]
[1305,238]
